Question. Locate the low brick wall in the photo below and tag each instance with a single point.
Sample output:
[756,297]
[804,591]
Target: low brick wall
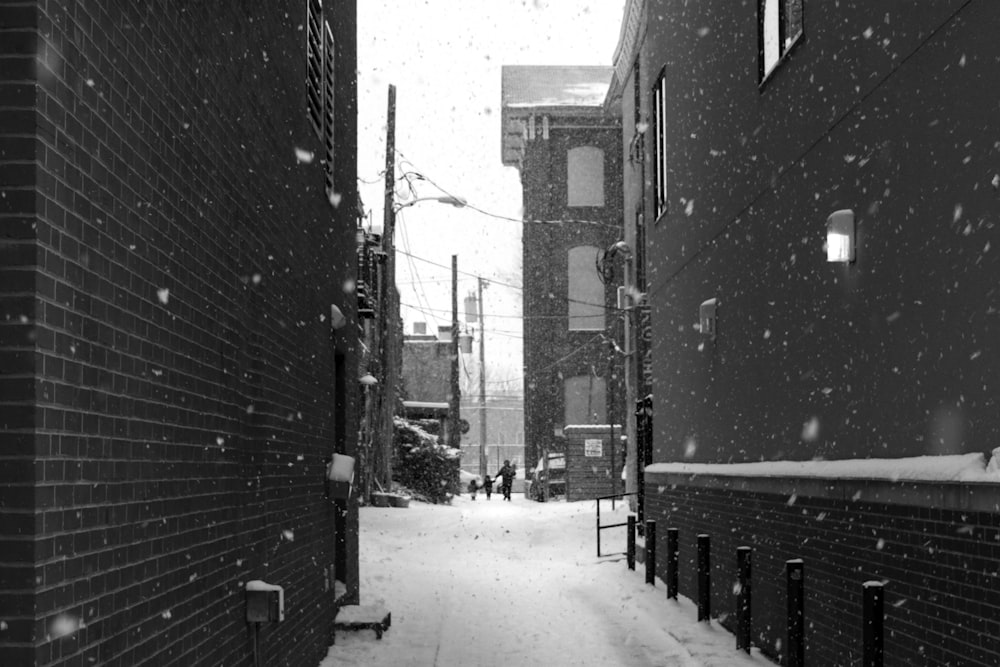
[590,477]
[935,545]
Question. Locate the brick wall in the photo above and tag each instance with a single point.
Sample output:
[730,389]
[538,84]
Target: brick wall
[17,359]
[592,476]
[174,378]
[939,565]
[551,351]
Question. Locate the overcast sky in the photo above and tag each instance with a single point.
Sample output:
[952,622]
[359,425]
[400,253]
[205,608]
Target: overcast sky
[444,57]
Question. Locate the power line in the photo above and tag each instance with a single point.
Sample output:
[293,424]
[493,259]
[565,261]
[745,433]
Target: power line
[498,216]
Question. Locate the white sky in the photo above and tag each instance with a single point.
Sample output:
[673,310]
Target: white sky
[444,57]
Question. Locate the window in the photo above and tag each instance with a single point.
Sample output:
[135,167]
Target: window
[328,81]
[585,400]
[585,176]
[586,291]
[660,143]
[779,27]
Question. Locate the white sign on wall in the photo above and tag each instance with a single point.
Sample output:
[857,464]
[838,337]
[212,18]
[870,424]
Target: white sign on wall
[593,447]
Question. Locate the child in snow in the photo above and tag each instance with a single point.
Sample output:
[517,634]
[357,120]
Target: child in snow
[473,487]
[488,486]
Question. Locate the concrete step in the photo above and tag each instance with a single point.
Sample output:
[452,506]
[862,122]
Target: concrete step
[362,617]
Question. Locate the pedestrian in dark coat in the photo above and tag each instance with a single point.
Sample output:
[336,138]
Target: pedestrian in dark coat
[488,486]
[507,474]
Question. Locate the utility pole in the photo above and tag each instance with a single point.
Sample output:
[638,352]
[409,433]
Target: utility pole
[482,383]
[454,433]
[390,307]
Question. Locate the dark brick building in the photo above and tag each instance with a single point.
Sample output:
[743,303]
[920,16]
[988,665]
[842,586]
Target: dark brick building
[746,126]
[174,228]
[556,131]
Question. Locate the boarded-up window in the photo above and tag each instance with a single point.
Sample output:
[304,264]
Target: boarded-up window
[586,291]
[585,400]
[585,176]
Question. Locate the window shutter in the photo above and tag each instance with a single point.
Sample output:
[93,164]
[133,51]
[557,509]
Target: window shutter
[314,64]
[328,106]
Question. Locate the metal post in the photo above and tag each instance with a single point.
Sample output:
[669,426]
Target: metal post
[482,383]
[673,540]
[651,552]
[872,621]
[598,528]
[744,562]
[794,574]
[704,578]
[454,414]
[630,544]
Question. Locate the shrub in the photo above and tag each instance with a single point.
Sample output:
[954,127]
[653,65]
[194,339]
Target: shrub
[423,465]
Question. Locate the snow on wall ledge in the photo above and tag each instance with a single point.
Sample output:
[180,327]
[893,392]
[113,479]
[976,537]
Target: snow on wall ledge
[965,482]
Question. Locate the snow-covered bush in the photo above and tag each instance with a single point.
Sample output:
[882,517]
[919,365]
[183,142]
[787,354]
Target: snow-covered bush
[422,464]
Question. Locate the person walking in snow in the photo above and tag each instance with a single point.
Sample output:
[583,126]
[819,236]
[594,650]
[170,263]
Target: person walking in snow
[488,486]
[473,487]
[507,474]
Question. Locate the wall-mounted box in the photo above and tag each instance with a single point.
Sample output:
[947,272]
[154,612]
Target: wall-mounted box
[340,476]
[265,602]
[707,317]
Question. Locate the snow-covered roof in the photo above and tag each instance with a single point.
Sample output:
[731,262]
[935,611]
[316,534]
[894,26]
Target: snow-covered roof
[554,86]
[952,468]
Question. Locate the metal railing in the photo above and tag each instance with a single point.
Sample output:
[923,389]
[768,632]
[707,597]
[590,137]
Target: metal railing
[612,498]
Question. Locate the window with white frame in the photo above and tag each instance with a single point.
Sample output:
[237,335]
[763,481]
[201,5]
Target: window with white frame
[585,176]
[779,27]
[660,143]
[585,400]
[586,291]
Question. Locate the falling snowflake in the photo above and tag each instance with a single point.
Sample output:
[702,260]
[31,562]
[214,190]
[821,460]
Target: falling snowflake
[810,430]
[163,294]
[288,534]
[167,615]
[304,156]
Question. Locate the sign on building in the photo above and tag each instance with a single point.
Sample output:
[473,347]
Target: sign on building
[593,447]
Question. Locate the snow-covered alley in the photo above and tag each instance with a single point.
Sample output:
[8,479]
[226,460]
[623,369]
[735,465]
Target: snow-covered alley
[497,583]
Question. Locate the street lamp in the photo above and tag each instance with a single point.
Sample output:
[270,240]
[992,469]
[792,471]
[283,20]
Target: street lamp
[451,200]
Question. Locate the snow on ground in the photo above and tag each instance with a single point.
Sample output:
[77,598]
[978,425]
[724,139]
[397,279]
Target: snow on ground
[482,583]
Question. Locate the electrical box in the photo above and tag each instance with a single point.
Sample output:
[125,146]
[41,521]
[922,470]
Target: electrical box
[707,317]
[265,602]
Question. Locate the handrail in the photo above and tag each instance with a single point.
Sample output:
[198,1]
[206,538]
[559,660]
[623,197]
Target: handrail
[612,498]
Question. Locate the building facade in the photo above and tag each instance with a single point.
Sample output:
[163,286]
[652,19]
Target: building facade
[557,133]
[753,130]
[177,219]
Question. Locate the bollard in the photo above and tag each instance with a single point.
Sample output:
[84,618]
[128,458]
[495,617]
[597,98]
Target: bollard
[795,651]
[673,538]
[872,619]
[630,543]
[651,552]
[704,578]
[744,559]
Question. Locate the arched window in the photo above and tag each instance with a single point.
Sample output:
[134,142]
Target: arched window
[585,176]
[585,400]
[586,292]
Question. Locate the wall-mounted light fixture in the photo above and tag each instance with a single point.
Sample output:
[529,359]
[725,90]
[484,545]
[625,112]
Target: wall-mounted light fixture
[367,379]
[840,236]
[707,317]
